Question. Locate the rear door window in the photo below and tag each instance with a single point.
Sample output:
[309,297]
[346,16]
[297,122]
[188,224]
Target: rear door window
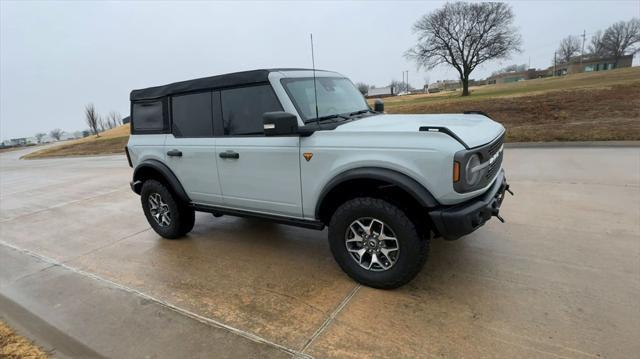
[242,109]
[192,115]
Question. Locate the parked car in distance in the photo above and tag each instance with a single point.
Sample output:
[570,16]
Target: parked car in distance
[302,147]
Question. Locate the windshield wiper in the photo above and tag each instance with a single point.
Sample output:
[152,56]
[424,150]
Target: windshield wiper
[328,117]
[359,112]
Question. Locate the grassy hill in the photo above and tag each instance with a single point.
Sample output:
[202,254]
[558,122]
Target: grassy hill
[583,107]
[110,142]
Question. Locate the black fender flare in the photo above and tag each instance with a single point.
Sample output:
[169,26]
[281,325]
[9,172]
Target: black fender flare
[403,181]
[170,178]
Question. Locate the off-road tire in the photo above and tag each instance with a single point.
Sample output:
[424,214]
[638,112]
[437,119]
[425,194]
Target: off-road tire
[414,246]
[182,216]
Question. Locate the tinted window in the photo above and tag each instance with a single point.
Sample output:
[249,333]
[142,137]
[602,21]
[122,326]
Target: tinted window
[242,109]
[147,116]
[191,115]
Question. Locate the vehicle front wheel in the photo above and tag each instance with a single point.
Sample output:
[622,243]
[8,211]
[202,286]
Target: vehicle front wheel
[376,243]
[167,216]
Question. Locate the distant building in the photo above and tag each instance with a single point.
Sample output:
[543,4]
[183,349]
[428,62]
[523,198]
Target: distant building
[128,118]
[474,82]
[512,76]
[373,92]
[590,63]
[18,141]
[444,85]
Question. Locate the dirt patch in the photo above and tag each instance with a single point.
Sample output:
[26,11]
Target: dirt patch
[99,146]
[14,346]
[585,114]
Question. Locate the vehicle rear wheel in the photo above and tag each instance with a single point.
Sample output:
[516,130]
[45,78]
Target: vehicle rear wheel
[167,216]
[376,243]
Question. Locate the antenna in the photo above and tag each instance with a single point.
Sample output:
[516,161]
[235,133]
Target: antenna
[315,90]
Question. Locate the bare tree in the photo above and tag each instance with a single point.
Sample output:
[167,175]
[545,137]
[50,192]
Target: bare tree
[622,38]
[101,123]
[569,47]
[39,136]
[398,86]
[465,35]
[363,88]
[115,119]
[92,118]
[56,134]
[596,47]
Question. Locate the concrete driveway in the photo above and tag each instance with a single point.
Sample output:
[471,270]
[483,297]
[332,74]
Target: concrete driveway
[82,273]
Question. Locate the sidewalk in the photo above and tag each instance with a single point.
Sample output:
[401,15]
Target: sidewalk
[74,314]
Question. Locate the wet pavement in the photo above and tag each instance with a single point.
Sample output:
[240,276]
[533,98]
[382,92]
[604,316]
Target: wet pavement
[560,279]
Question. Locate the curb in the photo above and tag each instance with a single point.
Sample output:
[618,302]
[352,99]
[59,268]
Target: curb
[573,144]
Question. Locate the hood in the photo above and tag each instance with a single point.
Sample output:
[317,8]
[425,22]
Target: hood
[474,130]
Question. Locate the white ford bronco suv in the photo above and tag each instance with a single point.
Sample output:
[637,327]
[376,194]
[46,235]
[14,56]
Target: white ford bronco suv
[302,147]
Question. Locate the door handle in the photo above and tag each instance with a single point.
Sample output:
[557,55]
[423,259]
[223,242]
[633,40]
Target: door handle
[229,154]
[174,153]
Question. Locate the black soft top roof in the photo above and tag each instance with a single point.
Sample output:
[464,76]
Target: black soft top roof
[226,80]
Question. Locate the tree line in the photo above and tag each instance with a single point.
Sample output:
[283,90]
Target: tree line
[619,39]
[97,123]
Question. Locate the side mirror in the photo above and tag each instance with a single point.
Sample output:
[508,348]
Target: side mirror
[279,123]
[378,106]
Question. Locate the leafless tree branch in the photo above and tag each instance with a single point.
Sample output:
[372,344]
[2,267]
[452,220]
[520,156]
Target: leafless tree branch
[465,35]
[92,118]
[569,47]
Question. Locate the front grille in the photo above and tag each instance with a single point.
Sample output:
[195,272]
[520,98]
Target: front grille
[494,147]
[492,150]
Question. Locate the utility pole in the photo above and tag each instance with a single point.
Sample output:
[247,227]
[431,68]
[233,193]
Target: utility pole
[584,37]
[407,81]
[554,62]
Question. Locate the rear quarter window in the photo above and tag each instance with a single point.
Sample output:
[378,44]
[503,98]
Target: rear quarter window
[148,117]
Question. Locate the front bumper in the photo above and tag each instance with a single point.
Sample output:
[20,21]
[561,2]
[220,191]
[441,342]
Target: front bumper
[453,222]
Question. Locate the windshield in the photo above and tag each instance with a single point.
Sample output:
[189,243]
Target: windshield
[336,95]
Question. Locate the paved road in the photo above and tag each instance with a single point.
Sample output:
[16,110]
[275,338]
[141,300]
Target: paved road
[81,271]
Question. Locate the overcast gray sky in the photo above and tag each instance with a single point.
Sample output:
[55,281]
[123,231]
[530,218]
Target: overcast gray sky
[57,56]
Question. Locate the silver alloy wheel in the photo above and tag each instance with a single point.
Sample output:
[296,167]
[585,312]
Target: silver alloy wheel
[372,244]
[159,210]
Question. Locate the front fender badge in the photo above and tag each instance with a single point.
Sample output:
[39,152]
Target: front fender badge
[307,156]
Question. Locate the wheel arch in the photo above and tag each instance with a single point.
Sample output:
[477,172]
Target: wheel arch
[154,169]
[366,179]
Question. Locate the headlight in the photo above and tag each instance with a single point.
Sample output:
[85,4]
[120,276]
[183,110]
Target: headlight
[472,178]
